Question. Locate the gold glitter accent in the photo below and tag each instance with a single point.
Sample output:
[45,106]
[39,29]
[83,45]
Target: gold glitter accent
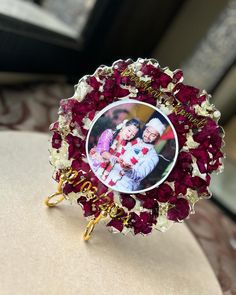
[164,207]
[192,198]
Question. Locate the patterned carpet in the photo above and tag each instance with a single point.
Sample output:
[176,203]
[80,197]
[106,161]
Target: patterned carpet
[34,106]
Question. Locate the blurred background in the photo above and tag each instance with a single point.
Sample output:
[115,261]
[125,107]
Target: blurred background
[47,45]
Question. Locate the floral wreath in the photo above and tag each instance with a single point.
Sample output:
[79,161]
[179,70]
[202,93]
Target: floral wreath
[200,142]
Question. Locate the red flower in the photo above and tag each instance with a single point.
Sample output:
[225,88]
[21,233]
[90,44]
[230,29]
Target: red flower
[121,65]
[109,168]
[149,203]
[182,140]
[92,98]
[91,115]
[67,188]
[143,223]
[122,151]
[186,94]
[135,141]
[127,201]
[146,97]
[180,122]
[54,126]
[102,189]
[178,75]
[182,184]
[117,224]
[202,157]
[150,70]
[56,140]
[210,139]
[103,165]
[75,111]
[201,185]
[164,80]
[133,160]
[75,165]
[184,161]
[88,206]
[123,142]
[93,82]
[145,150]
[78,165]
[76,146]
[164,192]
[111,183]
[112,89]
[180,211]
[111,150]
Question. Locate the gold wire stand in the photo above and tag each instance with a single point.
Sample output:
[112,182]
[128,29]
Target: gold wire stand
[90,226]
[49,200]
[54,199]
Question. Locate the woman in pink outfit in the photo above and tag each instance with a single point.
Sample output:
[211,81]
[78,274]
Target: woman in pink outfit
[111,143]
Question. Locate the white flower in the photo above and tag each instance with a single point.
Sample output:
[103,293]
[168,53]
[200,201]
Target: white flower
[75,132]
[145,78]
[85,160]
[206,109]
[153,62]
[163,224]
[164,109]
[126,230]
[216,114]
[59,158]
[200,111]
[192,196]
[170,87]
[140,60]
[62,122]
[72,197]
[190,143]
[138,66]
[116,195]
[195,171]
[168,72]
[101,88]
[82,89]
[139,73]
[87,123]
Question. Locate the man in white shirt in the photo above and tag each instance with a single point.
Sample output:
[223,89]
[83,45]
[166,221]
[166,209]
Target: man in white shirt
[139,159]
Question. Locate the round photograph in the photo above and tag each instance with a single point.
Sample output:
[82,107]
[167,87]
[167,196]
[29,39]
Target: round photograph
[131,146]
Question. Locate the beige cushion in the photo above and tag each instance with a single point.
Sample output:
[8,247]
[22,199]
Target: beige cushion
[42,252]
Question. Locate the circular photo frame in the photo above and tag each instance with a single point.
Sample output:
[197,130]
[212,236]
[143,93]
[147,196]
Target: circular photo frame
[131,146]
[93,167]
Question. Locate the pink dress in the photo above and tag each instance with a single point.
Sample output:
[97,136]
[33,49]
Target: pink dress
[103,145]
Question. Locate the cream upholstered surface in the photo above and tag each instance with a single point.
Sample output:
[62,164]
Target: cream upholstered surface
[42,252]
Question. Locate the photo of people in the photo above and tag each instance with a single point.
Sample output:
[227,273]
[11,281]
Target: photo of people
[131,146]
